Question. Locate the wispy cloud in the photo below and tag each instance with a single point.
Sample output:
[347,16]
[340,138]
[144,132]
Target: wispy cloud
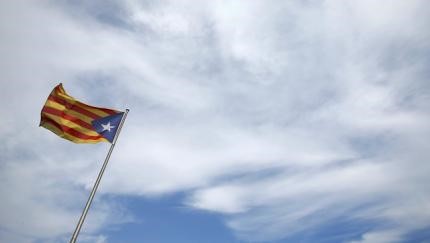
[283,117]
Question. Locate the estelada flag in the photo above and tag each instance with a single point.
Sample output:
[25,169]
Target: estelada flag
[76,121]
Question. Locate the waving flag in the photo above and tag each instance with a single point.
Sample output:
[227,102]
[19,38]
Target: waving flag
[76,121]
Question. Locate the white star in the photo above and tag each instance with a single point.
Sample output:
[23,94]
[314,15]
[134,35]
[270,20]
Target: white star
[107,127]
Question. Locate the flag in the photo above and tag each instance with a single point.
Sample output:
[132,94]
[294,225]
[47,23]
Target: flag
[76,121]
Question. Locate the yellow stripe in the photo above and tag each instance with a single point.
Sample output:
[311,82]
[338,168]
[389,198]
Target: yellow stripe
[71,124]
[68,136]
[58,106]
[62,90]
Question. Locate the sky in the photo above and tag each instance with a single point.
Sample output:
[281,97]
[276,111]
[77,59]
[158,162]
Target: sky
[250,121]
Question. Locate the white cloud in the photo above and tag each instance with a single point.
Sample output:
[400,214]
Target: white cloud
[270,113]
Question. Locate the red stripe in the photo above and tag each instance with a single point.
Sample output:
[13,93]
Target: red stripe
[73,119]
[109,111]
[69,130]
[73,107]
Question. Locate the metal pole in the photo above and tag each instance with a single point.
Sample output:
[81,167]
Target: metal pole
[96,184]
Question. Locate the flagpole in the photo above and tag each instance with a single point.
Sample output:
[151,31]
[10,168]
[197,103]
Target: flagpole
[96,184]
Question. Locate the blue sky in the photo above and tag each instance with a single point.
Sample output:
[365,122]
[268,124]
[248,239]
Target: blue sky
[250,121]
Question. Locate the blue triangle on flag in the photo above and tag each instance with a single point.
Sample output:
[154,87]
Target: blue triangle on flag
[108,125]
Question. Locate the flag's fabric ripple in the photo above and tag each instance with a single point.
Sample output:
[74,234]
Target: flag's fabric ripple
[73,120]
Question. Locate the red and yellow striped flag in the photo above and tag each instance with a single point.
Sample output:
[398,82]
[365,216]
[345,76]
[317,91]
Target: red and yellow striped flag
[76,121]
